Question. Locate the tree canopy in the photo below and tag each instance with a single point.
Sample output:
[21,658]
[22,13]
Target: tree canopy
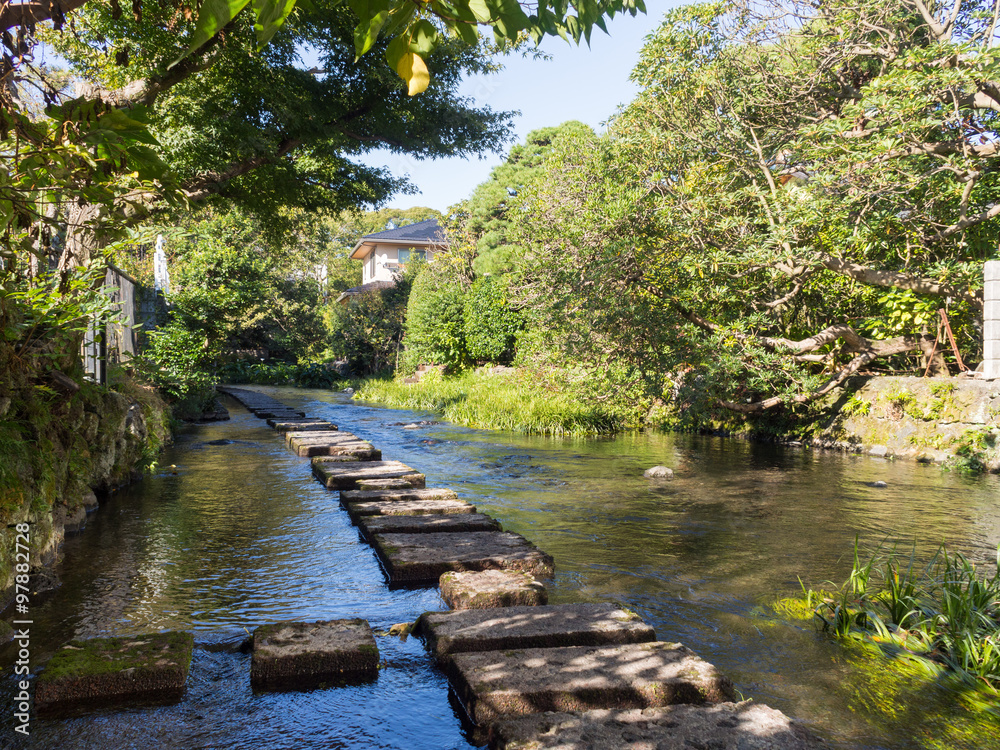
[793,195]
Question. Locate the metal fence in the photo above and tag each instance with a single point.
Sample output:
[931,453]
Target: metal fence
[139,308]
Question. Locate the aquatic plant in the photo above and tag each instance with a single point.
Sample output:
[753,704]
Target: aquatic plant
[945,613]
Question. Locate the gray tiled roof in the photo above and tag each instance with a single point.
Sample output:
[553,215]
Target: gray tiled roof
[422,231]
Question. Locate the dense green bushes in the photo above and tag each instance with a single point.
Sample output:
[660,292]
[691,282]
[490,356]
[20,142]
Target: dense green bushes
[368,332]
[435,320]
[491,324]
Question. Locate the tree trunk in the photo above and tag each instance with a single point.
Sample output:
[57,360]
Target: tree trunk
[82,242]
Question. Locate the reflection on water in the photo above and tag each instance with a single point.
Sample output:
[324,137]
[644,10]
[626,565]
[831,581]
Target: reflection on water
[241,535]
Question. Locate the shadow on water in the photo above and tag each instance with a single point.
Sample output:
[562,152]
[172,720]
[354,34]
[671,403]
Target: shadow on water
[242,535]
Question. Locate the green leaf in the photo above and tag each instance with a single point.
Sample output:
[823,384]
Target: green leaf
[372,15]
[480,10]
[212,18]
[423,37]
[271,16]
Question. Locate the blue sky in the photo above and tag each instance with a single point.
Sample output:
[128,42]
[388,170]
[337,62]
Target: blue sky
[578,83]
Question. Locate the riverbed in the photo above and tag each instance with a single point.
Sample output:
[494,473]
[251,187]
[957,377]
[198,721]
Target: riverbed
[231,531]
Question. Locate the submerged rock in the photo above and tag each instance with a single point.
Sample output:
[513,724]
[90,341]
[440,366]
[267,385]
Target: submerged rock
[658,472]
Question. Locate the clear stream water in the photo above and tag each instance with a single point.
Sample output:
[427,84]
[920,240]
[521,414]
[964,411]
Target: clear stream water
[242,535]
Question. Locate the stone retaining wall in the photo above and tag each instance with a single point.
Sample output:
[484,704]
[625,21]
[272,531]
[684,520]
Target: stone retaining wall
[927,419]
[61,453]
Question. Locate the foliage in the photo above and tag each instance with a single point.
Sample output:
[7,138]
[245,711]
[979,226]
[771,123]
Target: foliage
[435,320]
[416,30]
[491,324]
[303,374]
[972,451]
[742,247]
[488,215]
[229,294]
[945,612]
[517,402]
[368,331]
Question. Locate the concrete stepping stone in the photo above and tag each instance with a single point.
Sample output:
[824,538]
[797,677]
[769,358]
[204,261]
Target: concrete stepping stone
[493,684]
[339,476]
[300,655]
[360,510]
[302,425]
[360,451]
[102,671]
[420,559]
[426,523]
[724,726]
[531,627]
[292,437]
[385,484]
[397,495]
[268,412]
[488,589]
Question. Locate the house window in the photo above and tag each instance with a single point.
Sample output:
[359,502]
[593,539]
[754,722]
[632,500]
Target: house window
[405,255]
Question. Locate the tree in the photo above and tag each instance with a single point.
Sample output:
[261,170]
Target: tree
[790,176]
[487,215]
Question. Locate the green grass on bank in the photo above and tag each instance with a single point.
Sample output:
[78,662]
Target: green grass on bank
[515,401]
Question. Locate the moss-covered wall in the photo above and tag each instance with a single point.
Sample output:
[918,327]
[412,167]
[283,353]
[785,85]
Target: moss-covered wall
[927,419]
[57,449]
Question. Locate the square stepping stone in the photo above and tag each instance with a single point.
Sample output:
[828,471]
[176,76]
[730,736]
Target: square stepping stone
[102,671]
[420,559]
[300,655]
[294,438]
[362,510]
[272,413]
[397,495]
[426,523]
[361,451]
[336,476]
[531,627]
[745,725]
[385,484]
[487,589]
[284,425]
[493,684]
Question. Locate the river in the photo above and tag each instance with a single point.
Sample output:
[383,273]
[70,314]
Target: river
[238,534]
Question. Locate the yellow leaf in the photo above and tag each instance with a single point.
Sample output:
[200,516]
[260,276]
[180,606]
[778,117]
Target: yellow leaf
[412,69]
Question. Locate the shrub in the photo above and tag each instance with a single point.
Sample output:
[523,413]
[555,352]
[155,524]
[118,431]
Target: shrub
[490,323]
[368,332]
[435,321]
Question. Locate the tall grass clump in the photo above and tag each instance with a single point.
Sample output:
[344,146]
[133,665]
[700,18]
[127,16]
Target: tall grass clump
[513,401]
[945,612]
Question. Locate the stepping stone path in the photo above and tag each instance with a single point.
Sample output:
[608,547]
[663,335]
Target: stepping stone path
[337,476]
[425,523]
[492,684]
[724,726]
[489,589]
[102,671]
[307,654]
[422,558]
[531,675]
[531,627]
[435,508]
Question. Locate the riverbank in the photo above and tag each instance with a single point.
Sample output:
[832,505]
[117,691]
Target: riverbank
[60,449]
[932,420]
[505,399]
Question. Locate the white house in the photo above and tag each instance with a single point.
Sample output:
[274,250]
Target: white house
[385,254]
